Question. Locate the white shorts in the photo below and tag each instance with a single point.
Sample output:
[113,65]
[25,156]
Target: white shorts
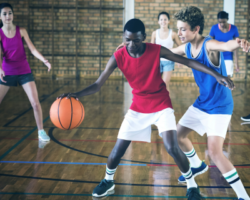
[229,67]
[201,122]
[137,126]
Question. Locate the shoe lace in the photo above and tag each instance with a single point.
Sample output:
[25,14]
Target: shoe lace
[103,183]
[193,193]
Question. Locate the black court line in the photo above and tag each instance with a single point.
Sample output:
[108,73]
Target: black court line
[30,108]
[125,184]
[21,140]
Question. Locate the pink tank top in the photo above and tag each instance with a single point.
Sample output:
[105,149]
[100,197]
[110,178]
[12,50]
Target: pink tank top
[14,57]
[143,74]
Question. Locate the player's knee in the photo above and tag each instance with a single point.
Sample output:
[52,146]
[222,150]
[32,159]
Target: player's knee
[173,150]
[35,105]
[213,153]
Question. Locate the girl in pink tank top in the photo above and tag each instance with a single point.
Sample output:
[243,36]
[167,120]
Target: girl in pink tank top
[15,69]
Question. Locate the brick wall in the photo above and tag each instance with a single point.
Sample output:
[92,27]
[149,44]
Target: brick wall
[69,37]
[67,33]
[148,10]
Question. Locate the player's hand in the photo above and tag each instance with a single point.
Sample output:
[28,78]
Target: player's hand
[120,46]
[227,82]
[46,62]
[244,44]
[2,74]
[68,95]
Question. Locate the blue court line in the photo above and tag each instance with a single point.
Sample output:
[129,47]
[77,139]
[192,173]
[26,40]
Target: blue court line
[68,163]
[113,195]
[82,163]
[20,141]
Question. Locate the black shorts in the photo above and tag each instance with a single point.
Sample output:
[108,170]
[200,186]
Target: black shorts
[17,79]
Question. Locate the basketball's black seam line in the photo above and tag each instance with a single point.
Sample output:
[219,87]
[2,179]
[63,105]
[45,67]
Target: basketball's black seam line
[81,116]
[76,125]
[71,113]
[59,115]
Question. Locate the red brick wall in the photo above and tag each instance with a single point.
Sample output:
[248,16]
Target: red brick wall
[148,10]
[67,49]
[69,36]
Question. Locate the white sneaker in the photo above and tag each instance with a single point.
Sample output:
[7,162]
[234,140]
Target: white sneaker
[43,136]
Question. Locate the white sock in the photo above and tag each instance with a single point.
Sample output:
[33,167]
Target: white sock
[193,158]
[110,173]
[233,179]
[190,179]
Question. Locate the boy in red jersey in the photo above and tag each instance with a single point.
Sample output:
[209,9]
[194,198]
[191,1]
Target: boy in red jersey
[140,63]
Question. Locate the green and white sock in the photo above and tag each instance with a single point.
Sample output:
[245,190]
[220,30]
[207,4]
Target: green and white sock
[233,179]
[190,179]
[110,173]
[193,158]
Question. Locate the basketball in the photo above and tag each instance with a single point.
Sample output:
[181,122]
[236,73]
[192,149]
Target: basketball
[67,114]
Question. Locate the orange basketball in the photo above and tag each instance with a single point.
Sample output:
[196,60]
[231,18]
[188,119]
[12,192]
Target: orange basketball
[67,114]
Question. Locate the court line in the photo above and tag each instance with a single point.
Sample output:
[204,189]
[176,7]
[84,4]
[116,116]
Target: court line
[67,163]
[30,108]
[125,160]
[113,195]
[112,141]
[125,184]
[23,138]
[98,164]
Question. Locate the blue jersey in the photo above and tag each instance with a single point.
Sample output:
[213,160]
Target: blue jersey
[214,98]
[217,34]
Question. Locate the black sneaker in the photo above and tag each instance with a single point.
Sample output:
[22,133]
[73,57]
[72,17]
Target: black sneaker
[193,194]
[247,118]
[103,188]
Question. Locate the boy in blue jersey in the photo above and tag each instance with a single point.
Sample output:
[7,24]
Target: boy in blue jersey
[212,110]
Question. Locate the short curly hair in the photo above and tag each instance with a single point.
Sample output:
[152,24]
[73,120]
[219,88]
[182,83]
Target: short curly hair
[193,16]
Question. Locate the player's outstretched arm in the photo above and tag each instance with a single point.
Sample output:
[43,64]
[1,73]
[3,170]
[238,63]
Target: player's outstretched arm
[231,45]
[167,54]
[33,49]
[95,87]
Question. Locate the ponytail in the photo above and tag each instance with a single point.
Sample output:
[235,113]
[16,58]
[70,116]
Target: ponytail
[4,5]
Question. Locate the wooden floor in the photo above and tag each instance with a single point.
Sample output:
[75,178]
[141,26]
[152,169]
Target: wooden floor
[73,162]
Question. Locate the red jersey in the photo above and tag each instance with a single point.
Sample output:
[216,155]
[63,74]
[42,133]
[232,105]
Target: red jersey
[143,74]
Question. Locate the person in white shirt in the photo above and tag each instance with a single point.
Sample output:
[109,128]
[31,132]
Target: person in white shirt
[165,37]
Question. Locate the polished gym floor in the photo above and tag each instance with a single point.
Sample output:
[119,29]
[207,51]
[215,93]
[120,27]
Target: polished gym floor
[73,162]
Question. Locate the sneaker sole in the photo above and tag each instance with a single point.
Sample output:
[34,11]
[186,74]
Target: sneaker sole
[46,140]
[199,173]
[104,194]
[246,120]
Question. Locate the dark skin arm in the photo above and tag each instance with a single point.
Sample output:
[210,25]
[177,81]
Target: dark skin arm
[167,54]
[96,86]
